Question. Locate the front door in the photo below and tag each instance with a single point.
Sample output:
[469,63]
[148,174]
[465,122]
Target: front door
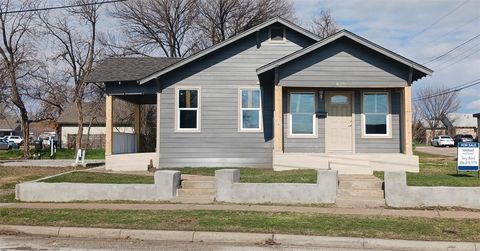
[339,122]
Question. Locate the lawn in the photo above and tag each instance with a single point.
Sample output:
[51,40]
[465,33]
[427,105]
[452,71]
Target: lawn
[240,221]
[249,175]
[9,176]
[438,170]
[45,153]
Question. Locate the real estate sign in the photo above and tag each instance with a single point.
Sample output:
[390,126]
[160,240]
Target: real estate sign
[467,156]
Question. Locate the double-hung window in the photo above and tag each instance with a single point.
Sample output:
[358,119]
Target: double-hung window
[376,115]
[250,110]
[188,113]
[302,114]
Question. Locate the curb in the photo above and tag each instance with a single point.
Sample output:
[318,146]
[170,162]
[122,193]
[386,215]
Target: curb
[243,238]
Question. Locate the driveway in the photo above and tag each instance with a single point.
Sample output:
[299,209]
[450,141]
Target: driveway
[445,151]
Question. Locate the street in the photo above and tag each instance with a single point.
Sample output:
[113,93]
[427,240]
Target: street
[13,242]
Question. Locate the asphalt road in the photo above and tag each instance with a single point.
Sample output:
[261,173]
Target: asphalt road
[32,243]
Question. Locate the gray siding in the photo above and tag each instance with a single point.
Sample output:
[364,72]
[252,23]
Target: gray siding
[220,75]
[343,64]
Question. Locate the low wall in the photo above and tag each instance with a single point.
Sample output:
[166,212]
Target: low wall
[164,188]
[398,194]
[229,189]
[130,161]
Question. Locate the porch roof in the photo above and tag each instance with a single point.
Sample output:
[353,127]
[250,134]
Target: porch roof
[419,70]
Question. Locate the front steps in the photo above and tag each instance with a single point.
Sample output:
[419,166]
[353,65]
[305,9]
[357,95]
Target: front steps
[196,189]
[360,191]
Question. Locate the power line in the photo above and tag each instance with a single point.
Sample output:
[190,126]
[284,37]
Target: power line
[440,19]
[62,7]
[456,56]
[458,61]
[456,47]
[450,90]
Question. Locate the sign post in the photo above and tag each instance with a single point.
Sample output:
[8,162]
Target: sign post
[468,157]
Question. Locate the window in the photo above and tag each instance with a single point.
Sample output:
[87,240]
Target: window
[376,114]
[250,110]
[277,34]
[188,109]
[302,113]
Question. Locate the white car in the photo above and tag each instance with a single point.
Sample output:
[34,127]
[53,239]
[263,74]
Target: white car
[15,139]
[443,140]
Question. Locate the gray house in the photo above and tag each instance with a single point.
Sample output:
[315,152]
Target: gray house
[275,96]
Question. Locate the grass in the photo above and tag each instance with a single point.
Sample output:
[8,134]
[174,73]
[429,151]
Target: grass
[255,175]
[438,170]
[45,153]
[239,221]
[95,177]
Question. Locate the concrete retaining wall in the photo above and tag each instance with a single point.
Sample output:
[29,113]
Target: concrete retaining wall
[164,188]
[398,194]
[229,189]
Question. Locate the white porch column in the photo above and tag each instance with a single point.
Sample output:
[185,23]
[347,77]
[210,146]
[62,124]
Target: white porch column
[407,120]
[157,148]
[109,125]
[278,120]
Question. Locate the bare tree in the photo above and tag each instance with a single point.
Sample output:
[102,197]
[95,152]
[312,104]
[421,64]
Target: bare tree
[17,54]
[150,25]
[222,19]
[76,47]
[434,103]
[323,24]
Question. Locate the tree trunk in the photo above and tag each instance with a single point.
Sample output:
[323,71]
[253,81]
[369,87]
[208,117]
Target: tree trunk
[26,135]
[78,142]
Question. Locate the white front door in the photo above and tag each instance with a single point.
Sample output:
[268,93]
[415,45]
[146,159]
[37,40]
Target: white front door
[339,122]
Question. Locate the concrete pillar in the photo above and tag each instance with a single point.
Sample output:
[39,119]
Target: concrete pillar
[137,125]
[407,120]
[157,148]
[109,125]
[278,120]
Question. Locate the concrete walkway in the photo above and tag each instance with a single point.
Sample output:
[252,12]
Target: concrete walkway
[48,163]
[443,214]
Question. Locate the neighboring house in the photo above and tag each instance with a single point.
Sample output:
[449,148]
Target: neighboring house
[93,126]
[9,125]
[477,115]
[274,95]
[453,124]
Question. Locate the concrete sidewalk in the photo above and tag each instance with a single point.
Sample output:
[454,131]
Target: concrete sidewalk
[278,240]
[258,208]
[48,163]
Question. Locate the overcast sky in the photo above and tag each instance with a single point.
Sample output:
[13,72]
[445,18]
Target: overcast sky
[419,30]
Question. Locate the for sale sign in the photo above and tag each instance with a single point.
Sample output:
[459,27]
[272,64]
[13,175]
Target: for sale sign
[467,156]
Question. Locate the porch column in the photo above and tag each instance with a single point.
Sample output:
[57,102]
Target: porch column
[407,120]
[278,120]
[109,125]
[157,148]
[137,125]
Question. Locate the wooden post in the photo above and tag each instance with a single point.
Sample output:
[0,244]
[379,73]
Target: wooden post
[109,125]
[407,120]
[157,148]
[137,125]
[278,120]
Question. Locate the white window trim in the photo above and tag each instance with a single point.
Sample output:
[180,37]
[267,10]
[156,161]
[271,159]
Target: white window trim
[178,109]
[314,134]
[277,41]
[241,109]
[389,117]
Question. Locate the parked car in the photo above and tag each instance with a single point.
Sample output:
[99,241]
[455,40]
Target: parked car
[463,138]
[442,140]
[15,139]
[4,144]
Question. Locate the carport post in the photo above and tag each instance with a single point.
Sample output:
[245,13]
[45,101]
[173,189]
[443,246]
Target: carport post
[157,148]
[137,125]
[407,120]
[109,125]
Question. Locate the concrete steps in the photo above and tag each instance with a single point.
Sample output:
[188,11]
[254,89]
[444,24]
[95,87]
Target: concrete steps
[360,191]
[196,189]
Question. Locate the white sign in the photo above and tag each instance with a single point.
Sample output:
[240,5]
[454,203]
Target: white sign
[468,156]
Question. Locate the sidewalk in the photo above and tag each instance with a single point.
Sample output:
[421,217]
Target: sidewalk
[259,208]
[275,239]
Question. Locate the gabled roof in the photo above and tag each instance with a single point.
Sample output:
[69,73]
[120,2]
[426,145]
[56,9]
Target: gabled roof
[9,123]
[345,33]
[229,41]
[128,69]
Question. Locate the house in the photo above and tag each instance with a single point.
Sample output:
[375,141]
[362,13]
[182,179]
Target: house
[93,126]
[9,125]
[453,124]
[275,96]
[477,115]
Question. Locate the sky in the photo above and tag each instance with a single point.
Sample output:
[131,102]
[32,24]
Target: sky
[419,30]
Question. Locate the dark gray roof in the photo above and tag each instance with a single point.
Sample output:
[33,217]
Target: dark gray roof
[477,115]
[128,69]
